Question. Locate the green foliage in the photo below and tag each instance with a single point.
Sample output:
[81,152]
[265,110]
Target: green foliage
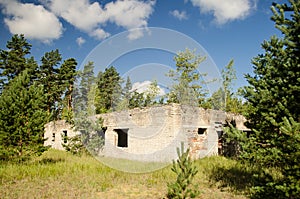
[74,145]
[274,90]
[288,184]
[22,119]
[108,90]
[224,98]
[58,80]
[91,136]
[274,95]
[146,98]
[233,141]
[123,104]
[137,100]
[67,76]
[186,88]
[13,61]
[31,95]
[186,171]
[69,176]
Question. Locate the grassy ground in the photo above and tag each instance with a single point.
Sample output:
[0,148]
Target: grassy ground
[57,174]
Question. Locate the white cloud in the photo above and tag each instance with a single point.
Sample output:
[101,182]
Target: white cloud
[225,10]
[143,87]
[80,41]
[130,14]
[179,15]
[99,34]
[92,17]
[34,21]
[79,13]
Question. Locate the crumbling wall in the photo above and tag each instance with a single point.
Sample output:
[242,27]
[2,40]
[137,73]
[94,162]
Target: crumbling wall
[154,133]
[54,133]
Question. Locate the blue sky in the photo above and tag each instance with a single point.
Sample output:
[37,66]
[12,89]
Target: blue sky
[226,29]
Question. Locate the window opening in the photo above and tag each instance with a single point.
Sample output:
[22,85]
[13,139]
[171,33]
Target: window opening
[65,133]
[122,137]
[201,131]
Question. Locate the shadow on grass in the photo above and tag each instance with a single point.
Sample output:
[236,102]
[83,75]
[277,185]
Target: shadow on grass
[239,178]
[50,160]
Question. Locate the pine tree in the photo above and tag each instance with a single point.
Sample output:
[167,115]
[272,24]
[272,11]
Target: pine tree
[273,94]
[274,90]
[186,171]
[67,78]
[108,90]
[22,119]
[86,90]
[13,60]
[186,88]
[49,78]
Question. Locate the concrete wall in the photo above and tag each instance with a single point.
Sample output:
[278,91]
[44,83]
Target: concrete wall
[154,133]
[54,133]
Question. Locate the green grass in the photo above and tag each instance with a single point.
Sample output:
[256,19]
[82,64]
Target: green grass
[57,174]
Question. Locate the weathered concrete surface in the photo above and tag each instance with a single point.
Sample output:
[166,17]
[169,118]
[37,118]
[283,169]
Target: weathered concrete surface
[54,133]
[154,133]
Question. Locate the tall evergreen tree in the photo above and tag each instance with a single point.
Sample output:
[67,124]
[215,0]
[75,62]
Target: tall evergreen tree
[108,90]
[274,93]
[86,89]
[49,78]
[13,60]
[67,78]
[22,119]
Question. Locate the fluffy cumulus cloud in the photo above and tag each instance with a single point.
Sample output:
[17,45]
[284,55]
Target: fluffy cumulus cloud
[130,14]
[92,17]
[34,21]
[82,14]
[42,21]
[179,15]
[225,10]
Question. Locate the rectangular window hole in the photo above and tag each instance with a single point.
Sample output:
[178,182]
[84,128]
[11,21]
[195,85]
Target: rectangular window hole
[65,133]
[201,131]
[122,137]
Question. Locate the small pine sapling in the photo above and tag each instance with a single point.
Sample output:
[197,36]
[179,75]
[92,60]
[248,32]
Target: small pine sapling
[186,171]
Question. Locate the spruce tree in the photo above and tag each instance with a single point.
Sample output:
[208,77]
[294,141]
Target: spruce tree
[22,119]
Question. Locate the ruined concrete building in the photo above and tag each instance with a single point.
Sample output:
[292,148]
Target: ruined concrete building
[154,133]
